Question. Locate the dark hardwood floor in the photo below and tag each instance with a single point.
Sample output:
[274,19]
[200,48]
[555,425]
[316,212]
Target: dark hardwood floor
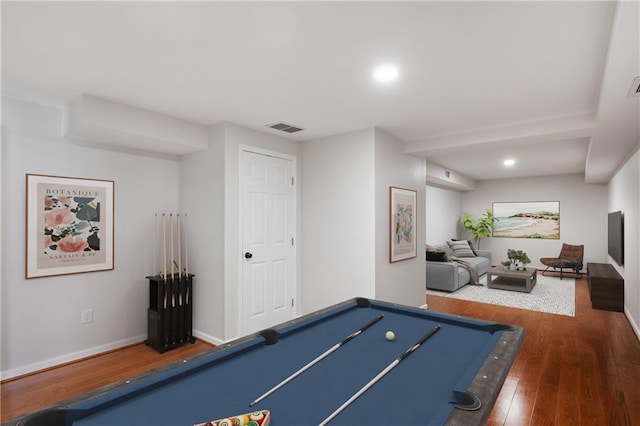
[32,392]
[582,370]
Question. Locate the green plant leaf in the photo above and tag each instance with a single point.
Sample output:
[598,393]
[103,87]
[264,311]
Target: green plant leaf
[478,228]
[83,200]
[87,213]
[94,241]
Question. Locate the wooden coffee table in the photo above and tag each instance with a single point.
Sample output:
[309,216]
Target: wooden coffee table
[505,279]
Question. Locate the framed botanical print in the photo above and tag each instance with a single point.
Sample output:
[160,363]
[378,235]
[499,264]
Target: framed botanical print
[402,224]
[69,225]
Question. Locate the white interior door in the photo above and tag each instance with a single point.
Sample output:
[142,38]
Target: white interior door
[268,220]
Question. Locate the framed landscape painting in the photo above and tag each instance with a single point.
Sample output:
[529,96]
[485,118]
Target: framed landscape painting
[69,225]
[536,219]
[402,226]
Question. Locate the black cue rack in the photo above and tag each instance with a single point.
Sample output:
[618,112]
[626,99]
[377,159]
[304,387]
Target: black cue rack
[169,317]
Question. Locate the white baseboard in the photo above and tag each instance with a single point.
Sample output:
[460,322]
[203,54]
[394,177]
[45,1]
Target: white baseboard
[74,356]
[208,338]
[634,326]
[52,362]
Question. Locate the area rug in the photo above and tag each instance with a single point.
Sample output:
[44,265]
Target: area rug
[551,295]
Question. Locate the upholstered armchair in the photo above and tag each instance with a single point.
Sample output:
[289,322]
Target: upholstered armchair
[570,257]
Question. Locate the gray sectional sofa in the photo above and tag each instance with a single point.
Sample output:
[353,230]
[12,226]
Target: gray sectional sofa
[448,275]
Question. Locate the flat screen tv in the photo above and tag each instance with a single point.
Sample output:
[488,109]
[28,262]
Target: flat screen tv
[615,236]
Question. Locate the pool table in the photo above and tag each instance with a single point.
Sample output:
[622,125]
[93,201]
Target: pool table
[454,377]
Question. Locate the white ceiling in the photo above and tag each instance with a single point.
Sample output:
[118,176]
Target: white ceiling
[539,81]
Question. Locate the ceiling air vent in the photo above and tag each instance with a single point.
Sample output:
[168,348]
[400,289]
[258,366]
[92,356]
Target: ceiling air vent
[284,127]
[635,87]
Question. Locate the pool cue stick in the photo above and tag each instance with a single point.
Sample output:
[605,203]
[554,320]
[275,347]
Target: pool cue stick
[317,359]
[179,261]
[173,259]
[164,247]
[186,251]
[382,373]
[159,226]
[155,242]
[179,251]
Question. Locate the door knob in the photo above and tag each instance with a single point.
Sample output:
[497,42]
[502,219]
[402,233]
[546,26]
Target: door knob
[248,255]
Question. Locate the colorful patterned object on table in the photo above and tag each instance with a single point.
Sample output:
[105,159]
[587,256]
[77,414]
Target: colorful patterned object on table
[256,418]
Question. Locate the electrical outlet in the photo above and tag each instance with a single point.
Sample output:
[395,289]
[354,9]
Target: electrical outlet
[86,316]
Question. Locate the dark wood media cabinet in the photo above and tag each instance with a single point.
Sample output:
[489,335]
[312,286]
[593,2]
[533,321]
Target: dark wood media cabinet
[606,287]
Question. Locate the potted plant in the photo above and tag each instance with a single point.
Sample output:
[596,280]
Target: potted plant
[506,264]
[478,228]
[519,258]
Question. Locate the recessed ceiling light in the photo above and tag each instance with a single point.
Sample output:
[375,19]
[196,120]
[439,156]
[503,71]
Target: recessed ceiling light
[509,162]
[385,73]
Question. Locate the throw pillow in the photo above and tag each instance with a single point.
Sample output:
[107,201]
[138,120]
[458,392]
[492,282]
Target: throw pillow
[461,248]
[442,247]
[470,246]
[436,256]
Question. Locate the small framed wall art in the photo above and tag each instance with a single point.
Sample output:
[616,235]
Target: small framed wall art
[69,225]
[402,224]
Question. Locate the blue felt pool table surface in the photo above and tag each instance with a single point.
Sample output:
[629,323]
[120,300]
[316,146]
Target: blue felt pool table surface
[464,355]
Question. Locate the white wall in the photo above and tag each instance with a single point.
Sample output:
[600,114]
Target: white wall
[202,186]
[442,177]
[209,188]
[623,195]
[443,208]
[345,211]
[399,282]
[41,317]
[338,211]
[583,214]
